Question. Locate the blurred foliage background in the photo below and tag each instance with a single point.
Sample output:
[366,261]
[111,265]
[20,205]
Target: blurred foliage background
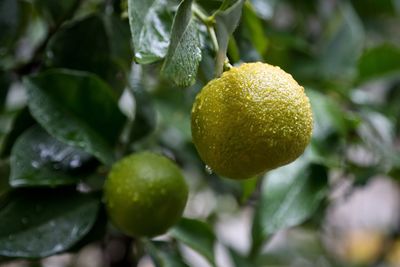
[338,205]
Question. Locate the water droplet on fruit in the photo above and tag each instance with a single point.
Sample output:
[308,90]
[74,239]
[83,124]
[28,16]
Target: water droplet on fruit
[208,170]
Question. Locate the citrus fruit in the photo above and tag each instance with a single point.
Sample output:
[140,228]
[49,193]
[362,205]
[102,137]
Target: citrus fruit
[145,194]
[252,119]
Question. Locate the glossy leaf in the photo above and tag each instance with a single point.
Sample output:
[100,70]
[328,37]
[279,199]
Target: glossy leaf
[227,20]
[78,109]
[164,254]
[38,159]
[197,235]
[43,223]
[73,48]
[184,54]
[379,61]
[151,23]
[289,196]
[21,122]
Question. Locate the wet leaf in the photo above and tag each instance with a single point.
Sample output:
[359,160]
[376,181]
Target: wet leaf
[43,223]
[184,54]
[38,159]
[151,23]
[77,108]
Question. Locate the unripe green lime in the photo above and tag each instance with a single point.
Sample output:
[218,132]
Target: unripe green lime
[145,194]
[252,119]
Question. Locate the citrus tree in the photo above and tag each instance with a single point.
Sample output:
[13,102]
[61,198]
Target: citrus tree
[193,132]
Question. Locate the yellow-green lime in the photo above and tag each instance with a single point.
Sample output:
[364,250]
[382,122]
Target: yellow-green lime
[145,194]
[252,119]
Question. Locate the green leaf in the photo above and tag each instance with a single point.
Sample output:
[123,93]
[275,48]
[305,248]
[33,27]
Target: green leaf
[248,187]
[290,195]
[342,45]
[38,159]
[4,174]
[197,235]
[73,48]
[227,20]
[5,82]
[379,61]
[55,11]
[22,121]
[151,23]
[9,20]
[254,29]
[42,223]
[119,37]
[77,108]
[164,254]
[184,54]
[239,260]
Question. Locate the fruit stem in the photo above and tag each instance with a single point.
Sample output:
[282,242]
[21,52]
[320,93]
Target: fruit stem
[209,22]
[227,65]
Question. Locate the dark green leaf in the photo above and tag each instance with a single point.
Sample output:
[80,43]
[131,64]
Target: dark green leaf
[151,23]
[184,54]
[197,235]
[372,8]
[9,19]
[164,254]
[239,260]
[379,61]
[209,6]
[119,38]
[38,159]
[227,21]
[226,4]
[5,82]
[343,44]
[42,223]
[73,48]
[78,109]
[290,195]
[55,11]
[22,121]
[4,174]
